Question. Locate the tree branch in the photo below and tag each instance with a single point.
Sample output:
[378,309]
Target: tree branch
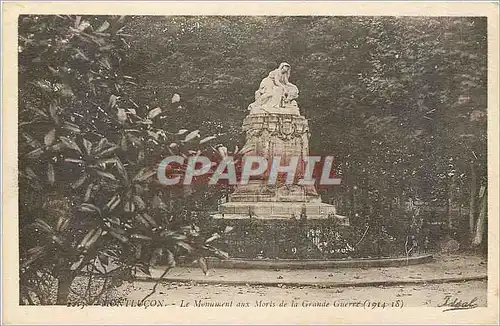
[153,291]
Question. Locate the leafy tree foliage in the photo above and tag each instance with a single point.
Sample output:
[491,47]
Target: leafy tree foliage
[88,156]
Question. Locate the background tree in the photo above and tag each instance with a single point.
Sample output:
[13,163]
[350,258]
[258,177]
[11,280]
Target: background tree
[400,101]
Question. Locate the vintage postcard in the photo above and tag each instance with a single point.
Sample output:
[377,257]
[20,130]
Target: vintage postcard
[250,162]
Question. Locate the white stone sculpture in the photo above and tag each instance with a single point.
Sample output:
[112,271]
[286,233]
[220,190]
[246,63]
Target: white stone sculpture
[276,94]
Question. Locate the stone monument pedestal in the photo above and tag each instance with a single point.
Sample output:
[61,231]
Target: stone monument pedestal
[270,135]
[274,128]
[279,210]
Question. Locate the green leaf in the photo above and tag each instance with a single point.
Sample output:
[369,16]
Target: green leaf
[69,143]
[222,151]
[40,112]
[150,219]
[83,25]
[35,153]
[144,174]
[176,98]
[90,238]
[121,115]
[155,135]
[154,112]
[170,258]
[104,259]
[57,239]
[174,236]
[144,268]
[121,170]
[218,253]
[65,90]
[50,137]
[103,27]
[76,265]
[245,149]
[113,202]
[42,225]
[115,220]
[51,177]
[206,139]
[123,143]
[72,160]
[106,47]
[133,138]
[145,121]
[105,63]
[157,202]
[80,53]
[482,191]
[71,127]
[214,236]
[77,21]
[118,234]
[140,156]
[192,135]
[105,174]
[144,221]
[30,173]
[88,146]
[55,72]
[53,113]
[63,222]
[185,245]
[129,206]
[57,146]
[78,183]
[31,141]
[94,238]
[140,236]
[100,145]
[34,254]
[42,84]
[112,101]
[88,192]
[107,151]
[86,207]
[139,202]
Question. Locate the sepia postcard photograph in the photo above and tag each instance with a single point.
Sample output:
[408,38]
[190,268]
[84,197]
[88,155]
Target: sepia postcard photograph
[283,162]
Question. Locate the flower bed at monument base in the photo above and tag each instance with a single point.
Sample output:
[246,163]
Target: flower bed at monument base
[305,239]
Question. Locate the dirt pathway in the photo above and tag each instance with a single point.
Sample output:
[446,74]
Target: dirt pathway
[443,267]
[430,295]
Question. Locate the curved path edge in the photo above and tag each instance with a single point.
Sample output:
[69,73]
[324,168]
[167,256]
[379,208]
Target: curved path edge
[317,273]
[316,263]
[391,282]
